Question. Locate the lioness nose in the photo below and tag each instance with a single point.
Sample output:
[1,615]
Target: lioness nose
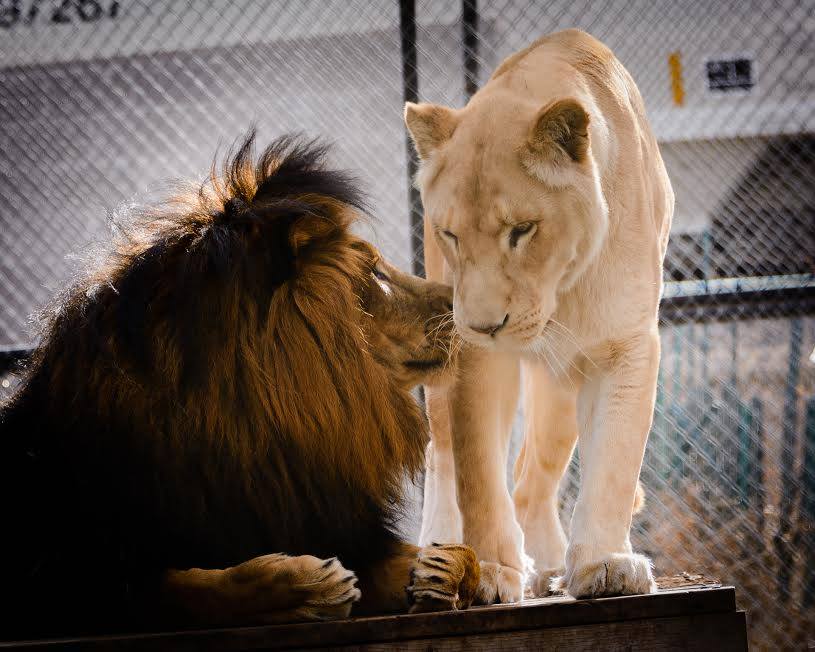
[492,329]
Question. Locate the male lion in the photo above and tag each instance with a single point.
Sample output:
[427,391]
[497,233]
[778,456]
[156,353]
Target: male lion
[229,383]
[548,206]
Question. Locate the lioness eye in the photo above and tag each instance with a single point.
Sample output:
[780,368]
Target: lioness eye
[451,235]
[519,231]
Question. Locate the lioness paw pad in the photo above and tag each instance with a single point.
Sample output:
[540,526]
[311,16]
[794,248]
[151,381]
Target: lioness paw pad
[443,577]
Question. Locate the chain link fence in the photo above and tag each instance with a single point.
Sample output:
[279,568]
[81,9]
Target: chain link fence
[101,102]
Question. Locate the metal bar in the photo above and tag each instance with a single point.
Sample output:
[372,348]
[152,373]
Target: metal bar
[807,506]
[745,430]
[789,448]
[469,37]
[410,93]
[757,462]
[730,306]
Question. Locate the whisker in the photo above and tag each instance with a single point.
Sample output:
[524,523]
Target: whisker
[453,349]
[570,359]
[443,315]
[457,342]
[566,331]
[445,321]
[450,344]
[444,328]
[556,354]
[540,349]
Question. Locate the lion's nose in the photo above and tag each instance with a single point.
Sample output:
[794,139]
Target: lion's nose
[445,298]
[490,330]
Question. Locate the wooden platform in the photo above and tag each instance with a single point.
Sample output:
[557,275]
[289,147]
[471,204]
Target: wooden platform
[700,618]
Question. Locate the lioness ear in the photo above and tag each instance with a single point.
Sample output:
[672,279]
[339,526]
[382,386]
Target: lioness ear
[559,134]
[430,126]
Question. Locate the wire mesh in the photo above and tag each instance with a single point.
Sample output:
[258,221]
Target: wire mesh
[102,102]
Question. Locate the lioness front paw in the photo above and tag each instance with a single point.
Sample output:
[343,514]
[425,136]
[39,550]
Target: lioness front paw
[616,574]
[499,584]
[443,577]
[541,583]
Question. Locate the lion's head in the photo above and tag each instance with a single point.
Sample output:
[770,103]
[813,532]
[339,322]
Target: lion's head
[512,196]
[412,325]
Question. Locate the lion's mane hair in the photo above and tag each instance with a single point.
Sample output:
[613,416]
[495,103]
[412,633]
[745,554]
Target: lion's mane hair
[205,392]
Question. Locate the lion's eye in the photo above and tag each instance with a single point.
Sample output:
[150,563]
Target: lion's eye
[519,231]
[380,275]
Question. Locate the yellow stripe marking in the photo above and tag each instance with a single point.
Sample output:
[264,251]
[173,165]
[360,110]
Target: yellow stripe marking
[677,83]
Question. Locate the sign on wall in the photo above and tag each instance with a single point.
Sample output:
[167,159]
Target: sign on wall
[725,75]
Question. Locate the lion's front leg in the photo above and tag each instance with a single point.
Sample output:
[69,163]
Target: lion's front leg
[433,578]
[615,410]
[443,577]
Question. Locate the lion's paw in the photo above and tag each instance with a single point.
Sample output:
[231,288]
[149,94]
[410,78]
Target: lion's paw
[499,584]
[279,588]
[443,577]
[617,574]
[328,587]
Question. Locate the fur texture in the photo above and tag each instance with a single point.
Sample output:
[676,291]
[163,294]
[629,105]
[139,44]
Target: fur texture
[548,206]
[208,392]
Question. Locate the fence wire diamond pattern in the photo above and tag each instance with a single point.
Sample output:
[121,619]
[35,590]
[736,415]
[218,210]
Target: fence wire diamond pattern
[102,102]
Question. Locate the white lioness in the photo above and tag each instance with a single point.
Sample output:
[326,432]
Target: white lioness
[548,206]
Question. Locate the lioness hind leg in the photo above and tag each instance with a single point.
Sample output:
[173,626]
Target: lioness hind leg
[443,577]
[269,589]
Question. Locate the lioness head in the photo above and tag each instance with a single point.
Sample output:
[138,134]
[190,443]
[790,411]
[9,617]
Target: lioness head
[512,196]
[411,324]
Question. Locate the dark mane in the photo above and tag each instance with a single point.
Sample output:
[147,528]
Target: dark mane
[190,387]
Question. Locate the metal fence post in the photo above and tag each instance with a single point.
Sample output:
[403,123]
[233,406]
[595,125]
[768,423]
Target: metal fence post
[410,93]
[469,37]
[789,442]
[808,507]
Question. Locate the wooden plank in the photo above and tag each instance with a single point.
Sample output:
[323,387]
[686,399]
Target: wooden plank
[686,581]
[722,632]
[532,614]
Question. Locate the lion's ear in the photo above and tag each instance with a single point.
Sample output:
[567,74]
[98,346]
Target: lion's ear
[308,228]
[430,126]
[558,136]
[328,217]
